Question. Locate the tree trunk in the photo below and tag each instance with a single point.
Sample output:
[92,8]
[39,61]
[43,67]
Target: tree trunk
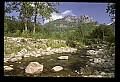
[26,19]
[34,24]
[35,18]
[26,24]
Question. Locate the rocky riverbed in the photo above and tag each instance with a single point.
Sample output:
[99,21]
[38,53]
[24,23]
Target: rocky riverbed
[39,58]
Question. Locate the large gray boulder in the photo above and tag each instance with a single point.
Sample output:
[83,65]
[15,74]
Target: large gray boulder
[34,68]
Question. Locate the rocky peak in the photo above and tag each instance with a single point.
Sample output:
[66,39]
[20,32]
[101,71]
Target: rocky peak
[86,19]
[70,18]
[81,19]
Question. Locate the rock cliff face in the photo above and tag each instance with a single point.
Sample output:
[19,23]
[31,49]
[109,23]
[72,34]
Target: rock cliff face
[86,19]
[71,21]
[81,19]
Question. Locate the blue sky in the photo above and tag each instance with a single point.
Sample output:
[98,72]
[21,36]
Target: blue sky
[95,10]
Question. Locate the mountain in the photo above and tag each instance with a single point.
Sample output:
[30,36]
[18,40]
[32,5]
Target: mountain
[72,21]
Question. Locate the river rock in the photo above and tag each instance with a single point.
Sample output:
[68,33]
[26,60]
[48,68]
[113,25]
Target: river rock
[90,52]
[23,50]
[57,68]
[48,48]
[8,68]
[98,60]
[34,68]
[63,57]
[13,59]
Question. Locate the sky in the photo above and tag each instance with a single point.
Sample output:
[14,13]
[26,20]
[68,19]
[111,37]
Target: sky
[95,10]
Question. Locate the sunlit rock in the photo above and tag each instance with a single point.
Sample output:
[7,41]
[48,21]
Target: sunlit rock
[34,68]
[57,68]
[63,57]
[8,68]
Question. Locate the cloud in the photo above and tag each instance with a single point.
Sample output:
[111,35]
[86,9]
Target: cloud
[55,16]
[68,12]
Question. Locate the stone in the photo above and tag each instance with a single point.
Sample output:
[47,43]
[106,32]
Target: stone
[34,68]
[90,52]
[23,40]
[6,59]
[29,47]
[94,76]
[37,55]
[13,59]
[98,60]
[103,73]
[8,68]
[23,50]
[63,57]
[11,65]
[48,48]
[57,68]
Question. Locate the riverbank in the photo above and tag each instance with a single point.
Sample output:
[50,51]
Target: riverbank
[84,61]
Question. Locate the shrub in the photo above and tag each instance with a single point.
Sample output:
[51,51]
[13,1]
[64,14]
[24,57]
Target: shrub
[50,43]
[70,43]
[25,33]
[17,33]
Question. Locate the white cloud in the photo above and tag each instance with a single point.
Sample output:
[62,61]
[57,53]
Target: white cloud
[66,12]
[55,16]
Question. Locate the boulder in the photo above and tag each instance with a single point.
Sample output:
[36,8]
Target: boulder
[91,52]
[63,57]
[48,48]
[34,68]
[23,40]
[57,68]
[23,50]
[13,59]
[8,68]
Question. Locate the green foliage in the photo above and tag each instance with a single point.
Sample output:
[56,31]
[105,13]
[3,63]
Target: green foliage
[17,33]
[25,33]
[103,33]
[53,44]
[111,10]
[5,27]
[112,47]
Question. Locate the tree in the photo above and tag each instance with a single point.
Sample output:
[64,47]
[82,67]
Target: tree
[111,10]
[28,9]
[103,33]
[24,9]
[44,9]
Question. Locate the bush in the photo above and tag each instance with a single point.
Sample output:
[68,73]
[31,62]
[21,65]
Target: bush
[17,33]
[25,33]
[50,43]
[112,46]
[70,43]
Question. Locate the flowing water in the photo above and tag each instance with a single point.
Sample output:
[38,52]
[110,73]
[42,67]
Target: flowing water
[76,61]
